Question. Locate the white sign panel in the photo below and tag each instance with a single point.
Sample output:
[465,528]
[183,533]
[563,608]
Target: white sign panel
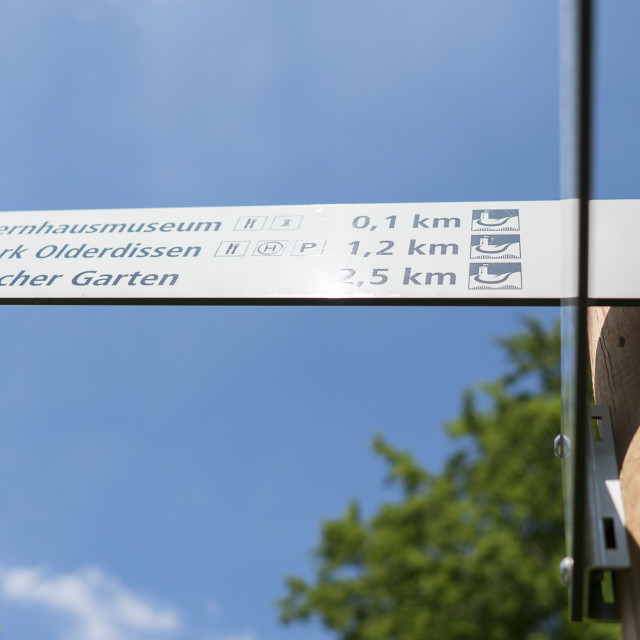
[614,256]
[489,251]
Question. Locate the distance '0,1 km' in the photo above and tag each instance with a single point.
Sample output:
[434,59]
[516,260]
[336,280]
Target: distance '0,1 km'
[364,222]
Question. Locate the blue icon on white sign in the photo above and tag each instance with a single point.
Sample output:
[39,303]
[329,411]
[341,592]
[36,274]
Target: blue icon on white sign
[495,247]
[490,220]
[497,275]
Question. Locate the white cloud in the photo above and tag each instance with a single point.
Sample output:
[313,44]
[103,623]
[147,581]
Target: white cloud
[95,605]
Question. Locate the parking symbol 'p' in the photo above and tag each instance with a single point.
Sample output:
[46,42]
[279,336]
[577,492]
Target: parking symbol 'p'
[308,247]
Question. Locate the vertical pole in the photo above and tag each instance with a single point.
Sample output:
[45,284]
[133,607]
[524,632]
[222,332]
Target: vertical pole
[614,348]
[583,152]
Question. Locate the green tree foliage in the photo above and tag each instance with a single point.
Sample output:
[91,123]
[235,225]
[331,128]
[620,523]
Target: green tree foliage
[469,553]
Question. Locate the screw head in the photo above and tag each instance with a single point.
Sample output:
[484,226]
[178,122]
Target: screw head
[566,571]
[561,446]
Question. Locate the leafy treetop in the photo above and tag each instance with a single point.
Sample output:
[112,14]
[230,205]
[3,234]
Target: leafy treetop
[470,553]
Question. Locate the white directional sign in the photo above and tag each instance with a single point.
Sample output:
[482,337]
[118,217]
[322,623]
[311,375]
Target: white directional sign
[614,258]
[489,252]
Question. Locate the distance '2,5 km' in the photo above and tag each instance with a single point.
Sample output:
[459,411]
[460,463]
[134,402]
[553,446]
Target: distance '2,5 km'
[378,276]
[409,277]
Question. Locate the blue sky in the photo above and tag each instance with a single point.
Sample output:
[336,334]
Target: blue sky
[164,468]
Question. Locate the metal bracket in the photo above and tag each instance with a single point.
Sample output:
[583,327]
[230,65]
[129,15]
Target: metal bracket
[605,550]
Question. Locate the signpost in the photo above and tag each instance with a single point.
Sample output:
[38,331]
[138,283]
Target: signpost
[483,253]
[487,253]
